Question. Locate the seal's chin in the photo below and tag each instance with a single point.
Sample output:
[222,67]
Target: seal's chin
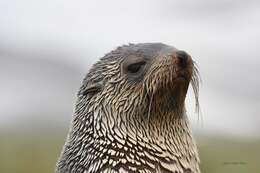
[181,79]
[183,76]
[168,86]
[171,97]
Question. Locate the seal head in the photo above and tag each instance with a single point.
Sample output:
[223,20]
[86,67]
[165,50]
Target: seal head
[130,114]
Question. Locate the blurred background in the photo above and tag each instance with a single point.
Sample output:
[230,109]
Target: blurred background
[47,46]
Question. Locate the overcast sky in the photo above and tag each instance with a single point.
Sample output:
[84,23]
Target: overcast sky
[47,46]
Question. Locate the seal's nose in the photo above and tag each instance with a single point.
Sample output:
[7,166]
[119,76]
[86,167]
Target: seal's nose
[183,58]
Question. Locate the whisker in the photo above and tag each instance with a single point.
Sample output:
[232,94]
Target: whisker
[195,81]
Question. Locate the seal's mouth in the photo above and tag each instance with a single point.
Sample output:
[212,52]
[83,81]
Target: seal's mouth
[170,74]
[183,76]
[181,79]
[168,82]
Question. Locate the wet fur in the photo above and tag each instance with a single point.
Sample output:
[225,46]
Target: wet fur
[126,125]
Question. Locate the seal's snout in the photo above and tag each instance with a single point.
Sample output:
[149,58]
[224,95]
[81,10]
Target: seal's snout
[183,59]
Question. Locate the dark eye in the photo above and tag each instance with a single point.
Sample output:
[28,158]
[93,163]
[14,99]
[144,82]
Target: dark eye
[136,67]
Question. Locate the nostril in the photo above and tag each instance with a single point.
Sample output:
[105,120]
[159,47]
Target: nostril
[183,58]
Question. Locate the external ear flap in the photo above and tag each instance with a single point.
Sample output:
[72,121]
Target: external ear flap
[93,88]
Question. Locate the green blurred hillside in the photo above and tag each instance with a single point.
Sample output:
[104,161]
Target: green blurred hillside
[222,155]
[30,153]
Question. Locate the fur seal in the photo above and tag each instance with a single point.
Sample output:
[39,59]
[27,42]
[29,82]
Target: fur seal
[130,114]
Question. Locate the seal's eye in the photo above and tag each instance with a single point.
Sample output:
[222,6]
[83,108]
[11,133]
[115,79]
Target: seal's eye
[135,67]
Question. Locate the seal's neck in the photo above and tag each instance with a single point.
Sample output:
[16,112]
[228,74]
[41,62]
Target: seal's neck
[162,136]
[97,141]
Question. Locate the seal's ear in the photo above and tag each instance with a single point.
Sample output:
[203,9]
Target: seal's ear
[92,88]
